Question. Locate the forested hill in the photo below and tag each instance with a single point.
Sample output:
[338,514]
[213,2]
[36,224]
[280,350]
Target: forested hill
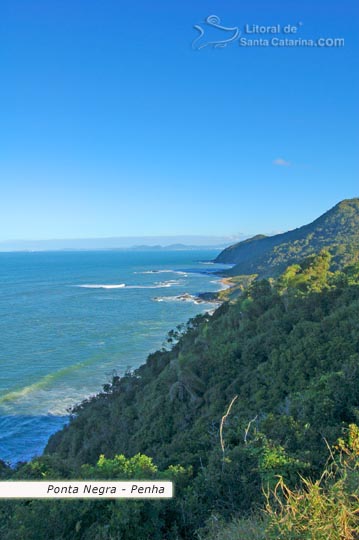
[289,349]
[336,230]
[285,354]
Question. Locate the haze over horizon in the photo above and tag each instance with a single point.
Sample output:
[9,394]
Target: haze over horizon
[130,242]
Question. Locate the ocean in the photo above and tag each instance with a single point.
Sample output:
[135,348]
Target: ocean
[70,320]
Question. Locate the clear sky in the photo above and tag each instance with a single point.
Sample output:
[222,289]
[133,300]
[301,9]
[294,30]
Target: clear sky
[111,124]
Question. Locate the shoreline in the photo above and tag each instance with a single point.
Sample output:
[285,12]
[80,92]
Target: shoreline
[220,296]
[227,283]
[12,455]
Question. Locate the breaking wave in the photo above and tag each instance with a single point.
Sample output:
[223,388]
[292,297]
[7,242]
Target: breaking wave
[100,286]
[178,272]
[186,297]
[158,285]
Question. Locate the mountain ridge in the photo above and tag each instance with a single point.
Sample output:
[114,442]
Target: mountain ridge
[336,230]
[258,390]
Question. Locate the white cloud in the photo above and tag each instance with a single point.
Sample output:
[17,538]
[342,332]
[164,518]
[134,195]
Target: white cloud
[280,162]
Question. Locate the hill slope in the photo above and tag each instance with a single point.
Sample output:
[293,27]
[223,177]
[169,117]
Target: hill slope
[285,355]
[336,230]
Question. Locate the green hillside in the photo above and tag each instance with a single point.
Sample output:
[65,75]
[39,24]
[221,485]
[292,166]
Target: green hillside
[261,390]
[286,354]
[336,230]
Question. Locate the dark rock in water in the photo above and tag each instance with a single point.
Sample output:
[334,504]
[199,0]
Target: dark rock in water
[208,297]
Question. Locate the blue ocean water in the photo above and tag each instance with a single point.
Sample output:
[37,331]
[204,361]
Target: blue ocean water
[70,320]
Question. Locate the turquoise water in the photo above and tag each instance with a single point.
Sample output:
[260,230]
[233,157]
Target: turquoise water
[70,320]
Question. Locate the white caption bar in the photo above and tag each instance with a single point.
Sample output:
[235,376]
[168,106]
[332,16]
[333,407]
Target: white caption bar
[86,490]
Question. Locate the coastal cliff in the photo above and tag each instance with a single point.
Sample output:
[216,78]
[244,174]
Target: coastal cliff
[337,230]
[258,390]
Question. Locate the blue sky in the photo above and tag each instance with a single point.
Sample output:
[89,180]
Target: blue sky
[112,125]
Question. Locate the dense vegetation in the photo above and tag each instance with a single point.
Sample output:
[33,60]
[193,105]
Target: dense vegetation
[282,361]
[337,230]
[324,509]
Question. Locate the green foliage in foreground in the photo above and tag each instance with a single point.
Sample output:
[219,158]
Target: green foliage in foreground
[287,351]
[248,528]
[327,509]
[324,509]
[94,519]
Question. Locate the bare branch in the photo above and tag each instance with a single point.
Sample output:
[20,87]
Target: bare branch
[224,418]
[248,428]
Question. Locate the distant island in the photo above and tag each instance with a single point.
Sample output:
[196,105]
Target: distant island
[252,411]
[126,242]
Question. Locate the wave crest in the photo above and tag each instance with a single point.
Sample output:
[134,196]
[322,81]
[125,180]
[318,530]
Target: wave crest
[158,285]
[101,286]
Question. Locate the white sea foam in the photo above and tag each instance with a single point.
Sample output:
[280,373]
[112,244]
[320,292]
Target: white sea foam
[157,285]
[219,282]
[99,338]
[101,286]
[186,297]
[178,272]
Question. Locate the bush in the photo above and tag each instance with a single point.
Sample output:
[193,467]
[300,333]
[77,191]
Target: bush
[327,509]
